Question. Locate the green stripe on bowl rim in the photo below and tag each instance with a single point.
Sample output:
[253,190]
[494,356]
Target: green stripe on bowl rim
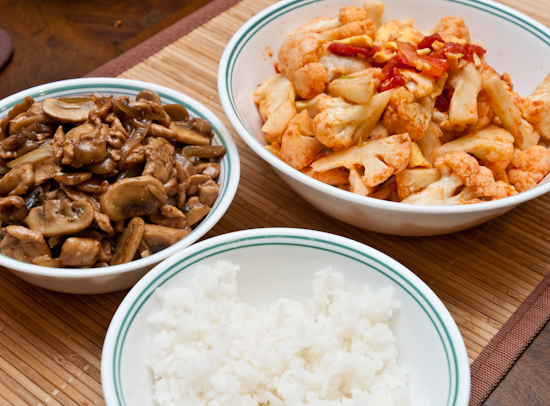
[354,254]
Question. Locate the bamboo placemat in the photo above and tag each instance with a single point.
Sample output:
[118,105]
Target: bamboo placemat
[492,278]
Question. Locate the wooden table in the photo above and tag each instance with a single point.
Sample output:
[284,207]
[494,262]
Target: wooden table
[493,278]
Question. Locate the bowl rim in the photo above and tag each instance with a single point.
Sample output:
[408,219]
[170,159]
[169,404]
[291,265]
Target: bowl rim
[246,31]
[449,334]
[229,187]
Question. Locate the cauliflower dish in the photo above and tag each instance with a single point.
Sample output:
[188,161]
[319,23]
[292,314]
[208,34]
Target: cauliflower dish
[385,110]
[91,181]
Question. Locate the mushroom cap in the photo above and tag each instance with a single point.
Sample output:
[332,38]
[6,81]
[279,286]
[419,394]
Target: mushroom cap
[68,110]
[133,197]
[60,217]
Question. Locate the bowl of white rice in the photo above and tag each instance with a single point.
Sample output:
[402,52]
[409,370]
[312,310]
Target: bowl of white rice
[281,316]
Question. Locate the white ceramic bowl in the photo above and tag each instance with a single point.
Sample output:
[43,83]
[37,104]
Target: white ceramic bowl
[117,277]
[515,44]
[281,262]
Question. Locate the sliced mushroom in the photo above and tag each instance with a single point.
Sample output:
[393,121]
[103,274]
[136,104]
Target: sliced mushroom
[25,120]
[72,110]
[158,237]
[204,151]
[179,131]
[80,252]
[60,217]
[176,112]
[32,157]
[149,95]
[127,243]
[71,179]
[133,197]
[23,244]
[46,260]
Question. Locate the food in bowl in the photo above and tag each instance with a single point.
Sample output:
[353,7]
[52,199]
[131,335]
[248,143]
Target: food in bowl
[335,348]
[391,112]
[94,180]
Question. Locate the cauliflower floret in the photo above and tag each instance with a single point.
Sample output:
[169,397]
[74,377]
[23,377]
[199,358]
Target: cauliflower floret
[422,85]
[493,146]
[299,146]
[375,10]
[501,101]
[275,98]
[379,159]
[337,65]
[339,124]
[463,181]
[318,24]
[451,28]
[410,181]
[529,167]
[463,105]
[405,113]
[538,108]
[399,30]
[299,60]
[333,177]
[355,21]
[357,87]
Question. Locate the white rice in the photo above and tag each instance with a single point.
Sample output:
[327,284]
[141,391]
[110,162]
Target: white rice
[335,349]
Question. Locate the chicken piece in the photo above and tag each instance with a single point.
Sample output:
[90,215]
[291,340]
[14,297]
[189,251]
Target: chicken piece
[339,124]
[169,216]
[275,98]
[538,109]
[463,181]
[493,146]
[23,244]
[406,114]
[80,252]
[159,161]
[357,87]
[85,144]
[380,158]
[452,28]
[410,181]
[527,168]
[399,30]
[299,61]
[299,146]
[17,181]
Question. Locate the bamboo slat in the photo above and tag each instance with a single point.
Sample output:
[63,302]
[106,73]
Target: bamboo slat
[50,343]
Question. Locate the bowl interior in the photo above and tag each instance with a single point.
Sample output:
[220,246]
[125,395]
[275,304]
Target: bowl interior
[229,166]
[281,263]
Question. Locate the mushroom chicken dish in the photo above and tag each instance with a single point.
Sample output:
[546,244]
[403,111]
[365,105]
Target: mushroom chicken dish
[92,181]
[385,110]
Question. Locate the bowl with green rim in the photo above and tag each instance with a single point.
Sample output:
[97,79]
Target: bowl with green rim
[515,44]
[282,262]
[117,277]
